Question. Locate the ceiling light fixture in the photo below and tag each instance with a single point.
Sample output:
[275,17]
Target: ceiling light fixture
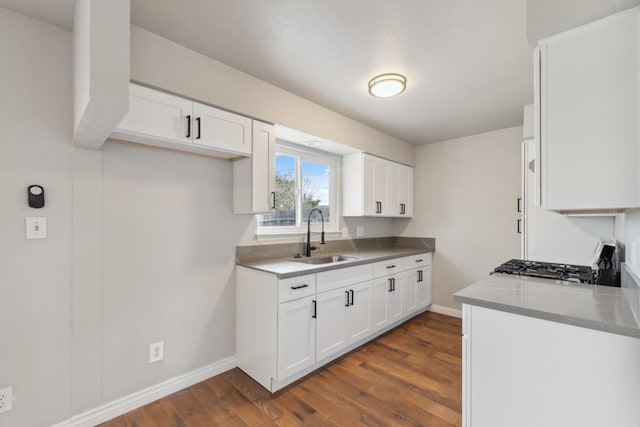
[387,85]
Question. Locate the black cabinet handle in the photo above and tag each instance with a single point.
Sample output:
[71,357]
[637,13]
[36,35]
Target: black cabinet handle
[300,286]
[419,260]
[393,282]
[351,292]
[402,209]
[519,205]
[347,295]
[189,126]
[378,207]
[391,266]
[519,230]
[273,205]
[419,275]
[199,120]
[390,285]
[315,308]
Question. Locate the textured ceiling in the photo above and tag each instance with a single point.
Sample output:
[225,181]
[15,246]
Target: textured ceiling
[468,63]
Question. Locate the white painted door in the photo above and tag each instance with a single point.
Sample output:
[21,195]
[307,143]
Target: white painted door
[405,191]
[264,176]
[221,129]
[332,320]
[296,337]
[360,311]
[371,206]
[395,298]
[158,115]
[409,291]
[381,185]
[381,291]
[423,287]
[589,115]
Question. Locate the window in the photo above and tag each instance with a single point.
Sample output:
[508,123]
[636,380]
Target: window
[305,180]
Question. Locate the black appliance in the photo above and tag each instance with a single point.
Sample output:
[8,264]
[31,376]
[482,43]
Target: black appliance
[548,270]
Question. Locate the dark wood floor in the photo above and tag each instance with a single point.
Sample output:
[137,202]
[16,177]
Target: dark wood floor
[410,376]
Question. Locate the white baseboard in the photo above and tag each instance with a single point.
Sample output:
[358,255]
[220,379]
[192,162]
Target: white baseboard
[441,309]
[140,398]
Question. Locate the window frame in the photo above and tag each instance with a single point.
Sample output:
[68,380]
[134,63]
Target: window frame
[301,153]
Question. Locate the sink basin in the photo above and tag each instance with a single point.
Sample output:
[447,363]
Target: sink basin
[326,259]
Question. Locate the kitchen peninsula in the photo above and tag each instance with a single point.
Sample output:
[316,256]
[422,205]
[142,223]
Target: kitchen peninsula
[543,352]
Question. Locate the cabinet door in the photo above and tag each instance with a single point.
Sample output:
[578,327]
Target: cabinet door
[371,205]
[381,291]
[332,333]
[589,116]
[393,186]
[423,287]
[381,187]
[220,129]
[156,114]
[360,311]
[395,299]
[264,175]
[409,291]
[296,337]
[405,191]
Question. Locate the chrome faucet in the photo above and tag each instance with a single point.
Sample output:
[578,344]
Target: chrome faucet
[308,247]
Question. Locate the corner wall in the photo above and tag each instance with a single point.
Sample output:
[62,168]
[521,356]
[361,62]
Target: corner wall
[465,193]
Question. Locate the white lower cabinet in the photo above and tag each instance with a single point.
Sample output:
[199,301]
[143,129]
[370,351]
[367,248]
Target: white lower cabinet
[296,336]
[423,287]
[332,322]
[286,328]
[529,372]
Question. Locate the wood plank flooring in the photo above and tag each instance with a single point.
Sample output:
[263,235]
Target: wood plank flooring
[410,376]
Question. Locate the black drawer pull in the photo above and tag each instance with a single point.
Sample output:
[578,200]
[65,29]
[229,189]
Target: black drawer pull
[390,285]
[315,307]
[300,286]
[419,260]
[346,304]
[351,292]
[189,126]
[391,266]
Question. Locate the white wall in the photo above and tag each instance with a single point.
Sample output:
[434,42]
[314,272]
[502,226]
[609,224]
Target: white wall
[35,275]
[548,17]
[465,191]
[158,62]
[141,242]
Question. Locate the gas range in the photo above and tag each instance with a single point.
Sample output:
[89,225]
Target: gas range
[547,270]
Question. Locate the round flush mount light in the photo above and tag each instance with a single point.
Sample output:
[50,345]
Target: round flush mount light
[387,85]
[314,143]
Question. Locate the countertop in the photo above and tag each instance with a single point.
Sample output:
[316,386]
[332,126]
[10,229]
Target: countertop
[289,267]
[602,308]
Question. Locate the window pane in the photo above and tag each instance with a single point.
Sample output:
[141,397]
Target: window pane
[285,213]
[315,191]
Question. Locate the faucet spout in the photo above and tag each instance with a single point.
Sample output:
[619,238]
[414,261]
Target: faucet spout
[308,247]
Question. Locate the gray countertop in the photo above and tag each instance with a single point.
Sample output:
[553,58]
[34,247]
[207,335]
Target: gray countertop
[289,267]
[603,308]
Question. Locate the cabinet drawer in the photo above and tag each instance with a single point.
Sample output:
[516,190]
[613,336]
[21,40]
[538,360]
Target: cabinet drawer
[296,287]
[333,279]
[415,261]
[390,266]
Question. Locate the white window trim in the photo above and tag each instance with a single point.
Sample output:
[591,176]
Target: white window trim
[335,180]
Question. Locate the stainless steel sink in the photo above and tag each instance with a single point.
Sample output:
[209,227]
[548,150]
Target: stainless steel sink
[326,259]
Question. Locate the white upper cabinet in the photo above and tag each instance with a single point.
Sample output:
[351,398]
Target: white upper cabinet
[254,178]
[587,102]
[160,119]
[376,187]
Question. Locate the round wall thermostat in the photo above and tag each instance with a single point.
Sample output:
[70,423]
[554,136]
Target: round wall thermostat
[35,195]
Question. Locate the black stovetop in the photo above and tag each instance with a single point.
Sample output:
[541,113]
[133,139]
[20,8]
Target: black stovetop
[547,270]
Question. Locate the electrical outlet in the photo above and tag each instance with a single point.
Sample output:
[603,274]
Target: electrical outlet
[360,231]
[156,351]
[6,399]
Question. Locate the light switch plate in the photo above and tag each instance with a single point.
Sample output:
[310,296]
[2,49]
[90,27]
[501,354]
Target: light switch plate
[36,228]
